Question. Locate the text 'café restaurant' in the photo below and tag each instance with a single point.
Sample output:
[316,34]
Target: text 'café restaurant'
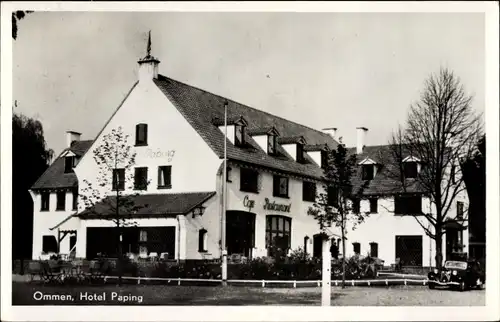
[273,173]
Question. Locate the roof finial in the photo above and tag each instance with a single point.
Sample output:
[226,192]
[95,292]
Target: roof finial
[149,45]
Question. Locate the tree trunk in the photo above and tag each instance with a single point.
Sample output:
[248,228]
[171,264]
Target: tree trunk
[120,256]
[439,249]
[343,258]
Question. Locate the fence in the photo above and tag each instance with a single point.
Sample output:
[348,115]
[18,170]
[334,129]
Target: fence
[263,283]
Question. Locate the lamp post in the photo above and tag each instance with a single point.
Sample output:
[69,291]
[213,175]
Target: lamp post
[224,204]
[326,275]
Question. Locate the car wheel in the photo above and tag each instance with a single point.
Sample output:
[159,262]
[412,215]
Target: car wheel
[431,286]
[462,287]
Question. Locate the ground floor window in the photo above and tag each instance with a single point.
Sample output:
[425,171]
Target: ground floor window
[356,248]
[278,231]
[409,250]
[202,240]
[103,241]
[373,249]
[49,244]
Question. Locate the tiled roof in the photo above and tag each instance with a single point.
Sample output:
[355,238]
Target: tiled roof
[54,176]
[200,107]
[291,139]
[386,180]
[158,205]
[314,147]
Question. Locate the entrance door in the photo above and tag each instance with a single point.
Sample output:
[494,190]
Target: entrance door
[409,250]
[240,232]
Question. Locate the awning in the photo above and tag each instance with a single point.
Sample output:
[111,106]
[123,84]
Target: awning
[148,205]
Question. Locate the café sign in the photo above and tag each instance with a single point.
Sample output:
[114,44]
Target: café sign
[268,205]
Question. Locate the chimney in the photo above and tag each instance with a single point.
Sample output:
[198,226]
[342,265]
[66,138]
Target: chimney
[332,131]
[72,136]
[148,66]
[361,139]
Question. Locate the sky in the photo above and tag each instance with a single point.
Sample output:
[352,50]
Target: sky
[72,69]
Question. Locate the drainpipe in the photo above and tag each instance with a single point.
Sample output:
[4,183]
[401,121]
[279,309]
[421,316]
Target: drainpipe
[178,239]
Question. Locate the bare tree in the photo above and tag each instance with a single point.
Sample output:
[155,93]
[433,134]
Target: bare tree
[333,207]
[442,130]
[107,197]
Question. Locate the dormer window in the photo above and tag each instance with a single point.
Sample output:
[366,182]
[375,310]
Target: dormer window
[411,167]
[69,164]
[368,172]
[368,169]
[239,135]
[300,153]
[271,144]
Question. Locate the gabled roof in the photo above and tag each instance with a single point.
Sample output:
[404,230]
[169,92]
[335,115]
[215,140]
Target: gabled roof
[156,205]
[54,176]
[264,131]
[200,107]
[315,147]
[386,180]
[292,140]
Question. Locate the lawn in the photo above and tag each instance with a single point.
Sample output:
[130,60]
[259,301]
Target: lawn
[24,293]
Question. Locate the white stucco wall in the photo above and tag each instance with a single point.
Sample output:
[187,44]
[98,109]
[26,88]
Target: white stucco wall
[44,220]
[301,224]
[171,141]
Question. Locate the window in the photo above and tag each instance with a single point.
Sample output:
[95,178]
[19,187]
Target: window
[239,135]
[141,178]
[373,249]
[460,210]
[300,153]
[165,177]
[278,231]
[228,174]
[306,244]
[143,236]
[410,169]
[356,205]
[75,199]
[45,201]
[118,179]
[309,191]
[249,180]
[271,144]
[333,196]
[324,159]
[408,205]
[280,186]
[356,248]
[49,244]
[368,171]
[202,240]
[373,205]
[69,163]
[141,134]
[61,200]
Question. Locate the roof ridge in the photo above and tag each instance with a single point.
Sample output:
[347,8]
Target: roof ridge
[253,108]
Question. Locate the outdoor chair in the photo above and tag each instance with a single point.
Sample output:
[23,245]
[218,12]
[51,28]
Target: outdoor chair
[51,272]
[35,269]
[85,272]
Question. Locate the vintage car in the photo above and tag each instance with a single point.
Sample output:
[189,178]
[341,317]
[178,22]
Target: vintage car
[461,275]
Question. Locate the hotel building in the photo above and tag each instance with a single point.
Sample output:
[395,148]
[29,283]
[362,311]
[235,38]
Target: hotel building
[274,170]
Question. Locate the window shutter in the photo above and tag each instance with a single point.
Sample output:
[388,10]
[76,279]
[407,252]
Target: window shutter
[145,134]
